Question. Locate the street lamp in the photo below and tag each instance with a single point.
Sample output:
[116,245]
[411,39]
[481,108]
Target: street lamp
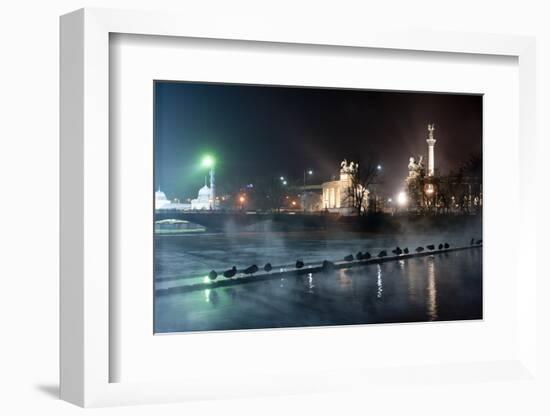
[309,172]
[241,200]
[208,162]
[284,183]
[402,198]
[379,167]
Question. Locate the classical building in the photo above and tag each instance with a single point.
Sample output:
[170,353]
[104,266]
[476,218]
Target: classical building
[336,196]
[160,200]
[204,200]
[163,203]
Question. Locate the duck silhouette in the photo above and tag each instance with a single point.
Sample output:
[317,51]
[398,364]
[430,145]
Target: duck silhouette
[230,273]
[446,245]
[440,247]
[212,275]
[349,257]
[478,242]
[299,264]
[397,251]
[406,250]
[251,269]
[268,267]
[327,265]
[419,249]
[359,256]
[382,253]
[430,247]
[367,255]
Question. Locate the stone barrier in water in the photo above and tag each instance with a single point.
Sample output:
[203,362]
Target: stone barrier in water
[281,272]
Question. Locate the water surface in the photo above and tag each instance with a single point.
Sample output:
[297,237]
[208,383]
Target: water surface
[433,288]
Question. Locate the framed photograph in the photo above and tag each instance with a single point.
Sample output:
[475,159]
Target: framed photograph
[243,214]
[289,209]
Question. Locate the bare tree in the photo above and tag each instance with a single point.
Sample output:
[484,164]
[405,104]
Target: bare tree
[361,177]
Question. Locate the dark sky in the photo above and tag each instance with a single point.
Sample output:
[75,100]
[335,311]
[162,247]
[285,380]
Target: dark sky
[257,131]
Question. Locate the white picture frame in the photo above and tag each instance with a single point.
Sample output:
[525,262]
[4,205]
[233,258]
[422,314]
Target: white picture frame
[86,355]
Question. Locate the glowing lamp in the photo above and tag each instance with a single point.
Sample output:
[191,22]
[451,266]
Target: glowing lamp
[402,198]
[208,161]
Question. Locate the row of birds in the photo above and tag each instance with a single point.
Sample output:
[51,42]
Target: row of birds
[327,265]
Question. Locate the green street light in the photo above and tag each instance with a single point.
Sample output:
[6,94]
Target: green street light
[208,161]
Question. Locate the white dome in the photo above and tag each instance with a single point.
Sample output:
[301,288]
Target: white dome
[161,196]
[161,200]
[204,191]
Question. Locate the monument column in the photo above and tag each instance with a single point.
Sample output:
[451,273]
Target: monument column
[431,143]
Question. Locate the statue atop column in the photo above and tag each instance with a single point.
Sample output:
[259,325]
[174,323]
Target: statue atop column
[431,143]
[431,129]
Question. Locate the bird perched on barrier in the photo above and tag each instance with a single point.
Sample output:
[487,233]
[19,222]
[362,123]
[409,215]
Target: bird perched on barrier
[251,269]
[440,246]
[367,255]
[406,250]
[446,245]
[382,253]
[230,273]
[349,257]
[397,251]
[430,247]
[327,265]
[268,267]
[472,241]
[419,249]
[212,275]
[478,242]
[299,264]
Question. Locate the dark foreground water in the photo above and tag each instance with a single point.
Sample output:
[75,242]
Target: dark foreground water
[437,287]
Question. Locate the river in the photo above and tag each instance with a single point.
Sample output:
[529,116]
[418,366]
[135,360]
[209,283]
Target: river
[445,286]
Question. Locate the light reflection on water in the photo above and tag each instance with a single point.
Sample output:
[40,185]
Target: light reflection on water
[379,282]
[439,287]
[310,285]
[432,290]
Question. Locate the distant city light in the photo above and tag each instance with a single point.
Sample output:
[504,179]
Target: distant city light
[208,161]
[284,182]
[379,167]
[241,199]
[390,200]
[402,198]
[282,178]
[310,172]
[293,203]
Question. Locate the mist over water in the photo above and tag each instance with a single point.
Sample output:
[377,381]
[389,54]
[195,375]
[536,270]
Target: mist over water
[432,288]
[444,286]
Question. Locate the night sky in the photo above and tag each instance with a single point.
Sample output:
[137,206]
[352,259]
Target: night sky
[259,131]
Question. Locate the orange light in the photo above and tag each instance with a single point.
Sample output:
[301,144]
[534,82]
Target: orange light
[241,199]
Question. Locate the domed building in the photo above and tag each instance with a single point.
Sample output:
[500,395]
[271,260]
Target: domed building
[160,200]
[204,199]
[163,203]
